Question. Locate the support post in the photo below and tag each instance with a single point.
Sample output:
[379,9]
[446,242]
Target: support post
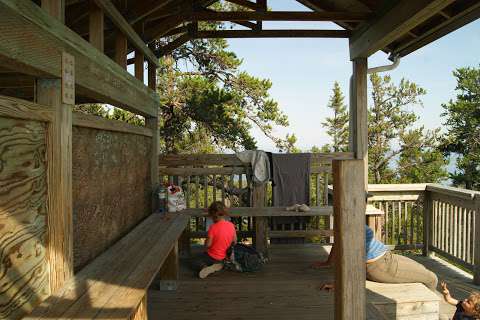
[96,27]
[121,49]
[261,223]
[358,125]
[139,56]
[476,274]
[170,271]
[349,231]
[152,76]
[427,222]
[60,94]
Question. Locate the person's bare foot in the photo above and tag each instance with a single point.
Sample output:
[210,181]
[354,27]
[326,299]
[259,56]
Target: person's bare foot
[320,264]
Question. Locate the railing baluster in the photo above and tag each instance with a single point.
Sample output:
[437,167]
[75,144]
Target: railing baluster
[197,191]
[187,198]
[214,188]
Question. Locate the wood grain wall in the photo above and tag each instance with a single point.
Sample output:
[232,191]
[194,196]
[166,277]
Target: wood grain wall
[111,188]
[23,209]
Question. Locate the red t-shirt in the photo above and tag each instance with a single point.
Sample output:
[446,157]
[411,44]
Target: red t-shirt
[222,234]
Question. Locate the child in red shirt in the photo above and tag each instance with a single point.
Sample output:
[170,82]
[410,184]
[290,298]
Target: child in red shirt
[221,235]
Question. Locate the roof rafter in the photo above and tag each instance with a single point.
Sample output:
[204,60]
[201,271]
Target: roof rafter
[111,11]
[397,21]
[276,16]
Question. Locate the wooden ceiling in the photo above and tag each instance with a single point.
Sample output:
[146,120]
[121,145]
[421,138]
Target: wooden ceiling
[175,22]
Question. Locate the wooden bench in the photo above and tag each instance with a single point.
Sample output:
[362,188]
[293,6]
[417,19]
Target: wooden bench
[114,285]
[412,301]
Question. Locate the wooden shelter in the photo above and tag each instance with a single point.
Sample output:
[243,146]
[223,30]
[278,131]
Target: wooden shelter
[59,170]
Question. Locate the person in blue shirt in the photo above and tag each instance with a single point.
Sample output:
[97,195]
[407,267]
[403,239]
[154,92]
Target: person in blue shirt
[384,266]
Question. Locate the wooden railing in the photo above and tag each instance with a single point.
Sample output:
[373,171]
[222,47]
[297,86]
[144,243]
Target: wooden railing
[402,222]
[430,217]
[453,219]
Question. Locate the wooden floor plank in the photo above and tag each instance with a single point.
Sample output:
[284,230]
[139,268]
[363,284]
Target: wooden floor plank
[286,289]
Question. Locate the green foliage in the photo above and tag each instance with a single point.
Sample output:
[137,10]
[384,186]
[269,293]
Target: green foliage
[393,139]
[337,126]
[463,125]
[420,159]
[205,94]
[112,113]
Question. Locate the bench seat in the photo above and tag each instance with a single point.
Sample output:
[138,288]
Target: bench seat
[114,285]
[412,301]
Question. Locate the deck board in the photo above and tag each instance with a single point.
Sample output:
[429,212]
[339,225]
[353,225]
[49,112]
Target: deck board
[286,289]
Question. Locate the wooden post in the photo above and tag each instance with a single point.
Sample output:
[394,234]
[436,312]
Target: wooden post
[96,27]
[349,209]
[121,49]
[358,125]
[261,224]
[170,271]
[56,8]
[152,76]
[427,222]
[60,94]
[139,56]
[476,244]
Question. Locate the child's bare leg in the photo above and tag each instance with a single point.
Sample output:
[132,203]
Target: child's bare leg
[327,263]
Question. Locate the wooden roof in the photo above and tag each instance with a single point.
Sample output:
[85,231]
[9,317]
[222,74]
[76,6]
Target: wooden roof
[396,27]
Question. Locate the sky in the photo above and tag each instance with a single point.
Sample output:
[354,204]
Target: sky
[303,72]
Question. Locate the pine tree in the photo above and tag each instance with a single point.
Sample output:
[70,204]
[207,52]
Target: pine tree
[337,126]
[397,151]
[463,125]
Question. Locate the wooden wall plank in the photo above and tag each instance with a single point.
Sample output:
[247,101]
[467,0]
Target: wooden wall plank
[95,122]
[38,48]
[24,271]
[349,210]
[22,109]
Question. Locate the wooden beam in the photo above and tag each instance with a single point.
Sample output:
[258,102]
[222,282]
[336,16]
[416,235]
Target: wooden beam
[178,42]
[455,22]
[37,51]
[349,199]
[396,22]
[262,8]
[142,9]
[111,11]
[273,34]
[244,3]
[96,27]
[277,16]
[162,28]
[358,125]
[96,122]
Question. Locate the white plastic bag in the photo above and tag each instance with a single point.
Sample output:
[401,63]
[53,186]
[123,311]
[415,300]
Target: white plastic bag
[176,199]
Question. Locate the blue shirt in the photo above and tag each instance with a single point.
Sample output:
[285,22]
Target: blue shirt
[373,247]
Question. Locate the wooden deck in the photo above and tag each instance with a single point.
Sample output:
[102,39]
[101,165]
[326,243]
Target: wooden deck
[286,289]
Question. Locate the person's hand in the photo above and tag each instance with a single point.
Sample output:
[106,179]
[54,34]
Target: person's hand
[320,264]
[445,291]
[327,287]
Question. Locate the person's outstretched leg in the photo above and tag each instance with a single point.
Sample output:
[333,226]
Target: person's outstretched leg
[393,268]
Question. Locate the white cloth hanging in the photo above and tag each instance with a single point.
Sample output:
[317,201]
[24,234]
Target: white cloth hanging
[259,162]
